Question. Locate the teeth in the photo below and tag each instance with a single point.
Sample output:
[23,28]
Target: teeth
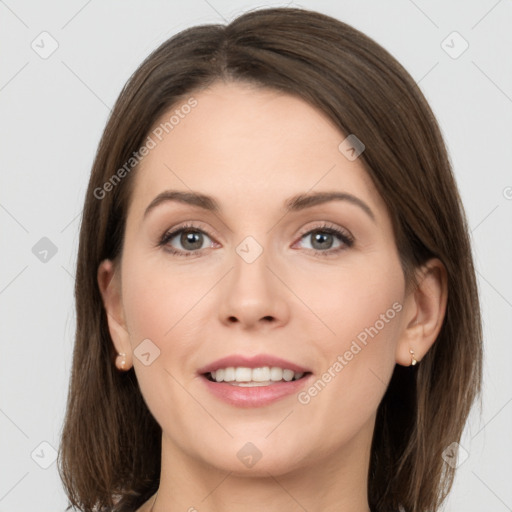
[254,376]
[261,374]
[276,374]
[241,375]
[229,374]
[288,375]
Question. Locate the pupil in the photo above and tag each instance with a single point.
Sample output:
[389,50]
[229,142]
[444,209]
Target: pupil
[188,237]
[322,237]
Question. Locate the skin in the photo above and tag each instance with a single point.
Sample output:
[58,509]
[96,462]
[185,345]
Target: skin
[251,149]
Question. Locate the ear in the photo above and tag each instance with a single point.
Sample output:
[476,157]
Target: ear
[425,309]
[110,288]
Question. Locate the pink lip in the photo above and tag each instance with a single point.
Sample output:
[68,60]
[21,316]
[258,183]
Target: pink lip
[258,361]
[258,396]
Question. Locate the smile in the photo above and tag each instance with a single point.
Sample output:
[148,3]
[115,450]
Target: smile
[253,380]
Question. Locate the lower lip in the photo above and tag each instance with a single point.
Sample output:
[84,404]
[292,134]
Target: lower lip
[257,396]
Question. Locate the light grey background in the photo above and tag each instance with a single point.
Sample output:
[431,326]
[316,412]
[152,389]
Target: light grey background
[52,113]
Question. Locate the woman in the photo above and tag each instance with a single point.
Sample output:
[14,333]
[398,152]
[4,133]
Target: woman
[276,301]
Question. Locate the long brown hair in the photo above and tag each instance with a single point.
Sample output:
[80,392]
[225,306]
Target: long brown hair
[109,455]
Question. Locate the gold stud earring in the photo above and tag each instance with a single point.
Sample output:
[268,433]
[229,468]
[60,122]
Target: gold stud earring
[413,359]
[121,361]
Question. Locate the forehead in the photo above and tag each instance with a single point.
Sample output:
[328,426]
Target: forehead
[249,146]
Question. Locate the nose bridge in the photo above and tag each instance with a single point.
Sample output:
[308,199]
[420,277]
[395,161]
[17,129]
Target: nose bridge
[252,292]
[251,279]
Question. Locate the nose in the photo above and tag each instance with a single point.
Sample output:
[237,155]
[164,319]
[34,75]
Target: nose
[254,295]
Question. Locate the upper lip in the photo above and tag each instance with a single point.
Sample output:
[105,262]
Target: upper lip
[257,361]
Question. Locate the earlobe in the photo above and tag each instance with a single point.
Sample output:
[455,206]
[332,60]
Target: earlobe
[425,311]
[110,289]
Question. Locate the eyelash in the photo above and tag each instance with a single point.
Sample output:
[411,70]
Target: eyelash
[343,236]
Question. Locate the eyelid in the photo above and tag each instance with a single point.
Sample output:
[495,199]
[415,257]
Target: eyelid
[187,225]
[325,225]
[341,233]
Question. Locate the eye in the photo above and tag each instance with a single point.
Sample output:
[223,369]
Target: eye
[324,237]
[190,237]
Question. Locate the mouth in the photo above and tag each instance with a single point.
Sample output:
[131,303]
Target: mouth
[245,393]
[256,381]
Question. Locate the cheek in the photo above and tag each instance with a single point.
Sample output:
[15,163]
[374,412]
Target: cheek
[363,308]
[360,320]
[368,311]
[352,301]
[161,305]
[157,299]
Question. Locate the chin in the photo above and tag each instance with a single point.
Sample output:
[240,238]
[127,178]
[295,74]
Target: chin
[257,458]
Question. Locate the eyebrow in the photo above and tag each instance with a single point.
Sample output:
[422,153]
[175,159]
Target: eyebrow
[293,204]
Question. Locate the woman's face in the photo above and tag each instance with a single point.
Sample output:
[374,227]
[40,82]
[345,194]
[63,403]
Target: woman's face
[254,280]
